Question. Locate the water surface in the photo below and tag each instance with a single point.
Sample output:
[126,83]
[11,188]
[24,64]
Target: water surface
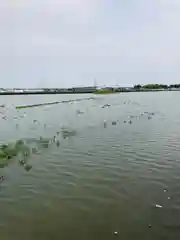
[109,172]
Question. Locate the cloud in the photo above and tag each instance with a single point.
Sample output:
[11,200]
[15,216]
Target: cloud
[75,41]
[71,10]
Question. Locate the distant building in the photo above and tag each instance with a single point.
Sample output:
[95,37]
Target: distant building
[2,90]
[84,89]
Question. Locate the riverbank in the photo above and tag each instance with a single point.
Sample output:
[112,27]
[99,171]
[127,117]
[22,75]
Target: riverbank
[83,92]
[43,92]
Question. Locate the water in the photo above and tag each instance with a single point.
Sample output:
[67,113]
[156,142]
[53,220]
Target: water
[102,178]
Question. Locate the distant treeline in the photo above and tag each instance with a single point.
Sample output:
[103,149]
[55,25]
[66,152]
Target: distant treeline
[156,86]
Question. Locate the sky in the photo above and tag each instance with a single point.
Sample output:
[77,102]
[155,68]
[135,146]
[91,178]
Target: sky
[64,43]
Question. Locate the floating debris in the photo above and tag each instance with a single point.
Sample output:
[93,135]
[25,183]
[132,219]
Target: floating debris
[152,113]
[2,106]
[106,105]
[130,122]
[24,115]
[68,133]
[27,167]
[149,117]
[1,179]
[105,124]
[165,190]
[79,112]
[45,145]
[35,121]
[114,122]
[131,116]
[54,139]
[169,198]
[150,225]
[57,143]
[44,142]
[115,233]
[158,206]
[34,150]
[26,153]
[22,162]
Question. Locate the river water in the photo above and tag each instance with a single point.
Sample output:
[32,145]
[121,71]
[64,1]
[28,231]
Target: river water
[111,171]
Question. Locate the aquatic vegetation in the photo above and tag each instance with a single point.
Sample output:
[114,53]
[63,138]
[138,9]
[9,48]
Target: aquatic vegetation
[104,91]
[20,146]
[66,132]
[11,150]
[22,149]
[2,154]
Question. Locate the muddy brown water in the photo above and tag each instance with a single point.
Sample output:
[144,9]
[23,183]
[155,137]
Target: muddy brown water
[99,181]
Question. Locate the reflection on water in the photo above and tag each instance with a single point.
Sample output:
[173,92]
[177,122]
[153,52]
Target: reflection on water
[99,168]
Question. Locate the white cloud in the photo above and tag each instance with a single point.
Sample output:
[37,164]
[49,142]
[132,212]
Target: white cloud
[71,10]
[83,39]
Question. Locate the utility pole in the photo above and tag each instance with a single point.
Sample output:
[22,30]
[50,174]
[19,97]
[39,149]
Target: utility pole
[95,83]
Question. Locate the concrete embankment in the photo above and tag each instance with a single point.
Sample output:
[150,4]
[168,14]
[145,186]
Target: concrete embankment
[43,92]
[52,103]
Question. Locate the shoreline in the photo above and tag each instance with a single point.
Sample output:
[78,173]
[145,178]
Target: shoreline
[85,92]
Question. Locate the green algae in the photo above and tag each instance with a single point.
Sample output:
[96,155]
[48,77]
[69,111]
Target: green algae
[11,150]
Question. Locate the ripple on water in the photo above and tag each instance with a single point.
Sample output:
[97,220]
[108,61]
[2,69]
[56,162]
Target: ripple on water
[101,180]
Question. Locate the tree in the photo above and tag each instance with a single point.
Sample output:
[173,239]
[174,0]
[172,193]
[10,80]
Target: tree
[138,86]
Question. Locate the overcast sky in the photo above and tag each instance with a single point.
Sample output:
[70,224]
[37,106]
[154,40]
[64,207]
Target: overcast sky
[62,43]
